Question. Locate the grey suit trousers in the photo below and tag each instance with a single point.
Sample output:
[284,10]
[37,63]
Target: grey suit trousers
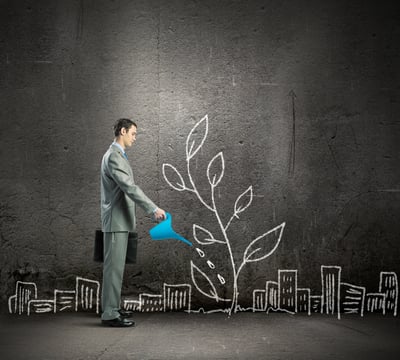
[115,245]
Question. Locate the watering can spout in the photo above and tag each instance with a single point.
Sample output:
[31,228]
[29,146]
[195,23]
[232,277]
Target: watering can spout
[164,231]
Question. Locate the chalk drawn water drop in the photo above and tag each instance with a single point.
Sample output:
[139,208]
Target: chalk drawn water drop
[210,264]
[200,252]
[221,279]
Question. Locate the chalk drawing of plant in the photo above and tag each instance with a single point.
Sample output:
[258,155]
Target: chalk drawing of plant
[258,249]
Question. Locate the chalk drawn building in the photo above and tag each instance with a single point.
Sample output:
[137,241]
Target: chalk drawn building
[389,286]
[271,296]
[24,292]
[41,306]
[177,297]
[259,300]
[87,295]
[316,304]
[330,276]
[375,302]
[287,290]
[352,299]
[304,301]
[132,305]
[151,303]
[64,300]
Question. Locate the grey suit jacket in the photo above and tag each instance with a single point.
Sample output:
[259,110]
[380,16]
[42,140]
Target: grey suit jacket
[119,194]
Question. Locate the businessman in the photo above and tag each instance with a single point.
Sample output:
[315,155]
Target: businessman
[119,197]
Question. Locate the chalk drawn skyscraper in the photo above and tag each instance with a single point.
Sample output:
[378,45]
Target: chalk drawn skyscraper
[330,276]
[389,286]
[287,290]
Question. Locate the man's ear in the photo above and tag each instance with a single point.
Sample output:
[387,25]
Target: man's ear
[123,131]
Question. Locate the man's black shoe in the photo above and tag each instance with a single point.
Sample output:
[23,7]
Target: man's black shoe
[125,313]
[118,322]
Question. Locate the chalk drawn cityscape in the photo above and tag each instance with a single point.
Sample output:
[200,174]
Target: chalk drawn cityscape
[85,297]
[284,295]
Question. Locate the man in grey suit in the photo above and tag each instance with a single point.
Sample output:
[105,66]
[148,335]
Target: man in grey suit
[119,196]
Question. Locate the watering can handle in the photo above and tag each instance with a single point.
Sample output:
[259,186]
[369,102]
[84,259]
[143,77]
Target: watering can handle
[167,217]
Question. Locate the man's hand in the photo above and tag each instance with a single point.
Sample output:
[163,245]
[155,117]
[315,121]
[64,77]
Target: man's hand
[159,214]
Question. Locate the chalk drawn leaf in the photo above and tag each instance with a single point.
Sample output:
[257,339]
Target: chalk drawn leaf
[264,245]
[215,169]
[211,292]
[196,137]
[174,178]
[243,201]
[203,236]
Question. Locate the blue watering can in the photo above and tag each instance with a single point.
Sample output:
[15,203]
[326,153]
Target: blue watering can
[164,231]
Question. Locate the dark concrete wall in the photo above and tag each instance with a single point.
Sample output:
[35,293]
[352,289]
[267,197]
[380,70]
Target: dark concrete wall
[70,68]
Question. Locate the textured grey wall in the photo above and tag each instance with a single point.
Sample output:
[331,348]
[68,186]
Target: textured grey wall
[70,68]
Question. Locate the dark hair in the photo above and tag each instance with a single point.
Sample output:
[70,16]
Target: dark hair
[123,123]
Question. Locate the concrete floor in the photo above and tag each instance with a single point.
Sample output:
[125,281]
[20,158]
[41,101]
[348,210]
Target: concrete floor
[199,336]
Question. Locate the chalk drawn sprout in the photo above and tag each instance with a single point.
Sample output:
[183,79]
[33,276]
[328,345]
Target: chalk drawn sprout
[259,249]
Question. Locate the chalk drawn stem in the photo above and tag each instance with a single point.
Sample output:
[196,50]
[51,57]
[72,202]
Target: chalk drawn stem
[230,220]
[228,245]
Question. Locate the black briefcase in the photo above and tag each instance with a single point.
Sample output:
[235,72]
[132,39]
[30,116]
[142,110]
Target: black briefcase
[131,250]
